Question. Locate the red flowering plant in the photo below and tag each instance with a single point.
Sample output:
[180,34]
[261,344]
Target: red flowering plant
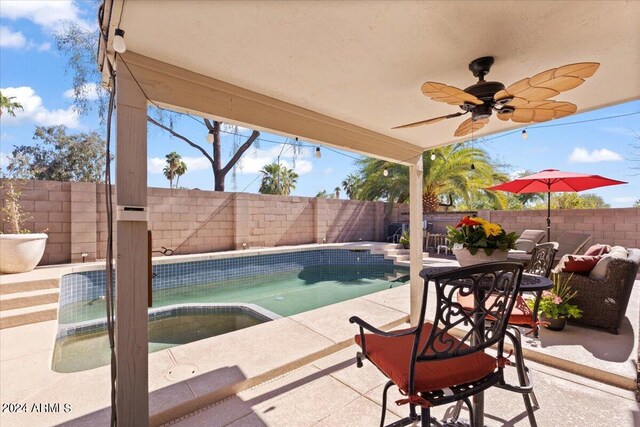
[475,233]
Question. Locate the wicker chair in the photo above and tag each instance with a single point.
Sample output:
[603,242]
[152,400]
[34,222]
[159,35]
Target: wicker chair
[604,302]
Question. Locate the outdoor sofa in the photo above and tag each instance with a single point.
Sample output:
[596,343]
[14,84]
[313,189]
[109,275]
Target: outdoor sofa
[603,296]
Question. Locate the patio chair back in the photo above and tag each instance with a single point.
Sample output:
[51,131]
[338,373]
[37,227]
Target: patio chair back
[494,287]
[571,242]
[542,259]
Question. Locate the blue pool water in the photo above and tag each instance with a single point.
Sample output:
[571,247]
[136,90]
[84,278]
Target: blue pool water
[284,284]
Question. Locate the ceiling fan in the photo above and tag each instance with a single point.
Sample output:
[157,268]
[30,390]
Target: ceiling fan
[525,101]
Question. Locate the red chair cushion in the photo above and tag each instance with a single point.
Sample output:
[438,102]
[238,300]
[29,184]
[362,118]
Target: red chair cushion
[521,315]
[580,263]
[598,249]
[392,355]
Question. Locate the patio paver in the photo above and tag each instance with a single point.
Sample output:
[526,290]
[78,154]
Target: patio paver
[565,399]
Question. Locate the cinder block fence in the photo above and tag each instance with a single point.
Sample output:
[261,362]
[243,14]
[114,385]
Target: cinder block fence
[195,221]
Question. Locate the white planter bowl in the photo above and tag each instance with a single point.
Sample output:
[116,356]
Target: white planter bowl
[465,258]
[21,252]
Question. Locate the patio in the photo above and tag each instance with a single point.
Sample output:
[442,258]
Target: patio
[244,386]
[344,78]
[333,392]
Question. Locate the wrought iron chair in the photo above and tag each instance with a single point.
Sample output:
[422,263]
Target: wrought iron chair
[541,263]
[427,363]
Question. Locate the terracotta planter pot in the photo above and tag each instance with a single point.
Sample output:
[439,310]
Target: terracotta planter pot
[20,253]
[465,258]
[554,324]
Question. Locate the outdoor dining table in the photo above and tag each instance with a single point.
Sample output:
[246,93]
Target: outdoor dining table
[529,283]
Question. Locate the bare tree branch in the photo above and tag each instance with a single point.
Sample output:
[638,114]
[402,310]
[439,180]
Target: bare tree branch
[177,135]
[244,147]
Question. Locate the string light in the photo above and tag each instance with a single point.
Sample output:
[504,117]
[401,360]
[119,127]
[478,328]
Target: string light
[487,139]
[525,135]
[118,41]
[433,155]
[385,172]
[318,154]
[210,137]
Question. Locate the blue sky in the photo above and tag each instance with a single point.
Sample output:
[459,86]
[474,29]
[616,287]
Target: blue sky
[33,70]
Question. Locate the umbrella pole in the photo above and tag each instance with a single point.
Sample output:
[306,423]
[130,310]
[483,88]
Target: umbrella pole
[548,216]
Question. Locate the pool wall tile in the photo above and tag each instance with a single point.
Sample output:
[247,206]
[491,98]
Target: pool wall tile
[89,286]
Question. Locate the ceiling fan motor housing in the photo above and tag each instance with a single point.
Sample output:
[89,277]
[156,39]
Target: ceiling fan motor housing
[481,111]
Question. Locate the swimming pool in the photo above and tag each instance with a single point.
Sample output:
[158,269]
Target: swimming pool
[282,283]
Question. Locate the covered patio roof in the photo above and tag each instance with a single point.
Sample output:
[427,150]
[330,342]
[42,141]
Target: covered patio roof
[362,63]
[338,73]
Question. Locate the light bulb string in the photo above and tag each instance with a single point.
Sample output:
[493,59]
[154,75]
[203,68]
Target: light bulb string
[537,126]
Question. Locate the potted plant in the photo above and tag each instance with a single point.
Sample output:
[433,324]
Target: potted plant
[404,239]
[475,240]
[20,250]
[554,305]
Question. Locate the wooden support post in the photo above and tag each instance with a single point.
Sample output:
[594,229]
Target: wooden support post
[131,254]
[415,232]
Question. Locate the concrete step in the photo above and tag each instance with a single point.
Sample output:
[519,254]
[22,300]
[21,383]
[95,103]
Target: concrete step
[390,252]
[29,298]
[40,278]
[28,315]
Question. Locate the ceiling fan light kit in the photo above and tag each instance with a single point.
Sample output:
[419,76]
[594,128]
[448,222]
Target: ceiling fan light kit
[525,101]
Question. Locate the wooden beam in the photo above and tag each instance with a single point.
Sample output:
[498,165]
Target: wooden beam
[415,233]
[186,91]
[131,255]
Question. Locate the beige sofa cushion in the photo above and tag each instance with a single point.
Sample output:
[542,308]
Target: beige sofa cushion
[599,272]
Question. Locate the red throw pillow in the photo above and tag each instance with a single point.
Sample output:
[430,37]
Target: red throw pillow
[582,264]
[596,250]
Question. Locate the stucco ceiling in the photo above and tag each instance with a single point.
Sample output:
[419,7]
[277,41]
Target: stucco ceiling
[364,61]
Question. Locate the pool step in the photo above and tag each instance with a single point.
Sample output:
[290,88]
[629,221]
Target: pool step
[27,315]
[401,256]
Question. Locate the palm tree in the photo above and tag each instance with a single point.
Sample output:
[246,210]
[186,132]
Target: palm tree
[337,192]
[277,179]
[10,106]
[351,185]
[180,170]
[459,170]
[173,161]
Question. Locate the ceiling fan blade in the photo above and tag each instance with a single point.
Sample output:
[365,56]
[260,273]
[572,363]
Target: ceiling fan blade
[451,95]
[548,84]
[539,111]
[469,126]
[429,121]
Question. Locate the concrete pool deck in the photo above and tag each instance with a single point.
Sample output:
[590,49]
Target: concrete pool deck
[186,378]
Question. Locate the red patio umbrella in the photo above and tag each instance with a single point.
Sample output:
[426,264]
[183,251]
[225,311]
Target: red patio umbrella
[554,181]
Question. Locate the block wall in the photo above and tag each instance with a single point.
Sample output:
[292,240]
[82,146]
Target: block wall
[195,221]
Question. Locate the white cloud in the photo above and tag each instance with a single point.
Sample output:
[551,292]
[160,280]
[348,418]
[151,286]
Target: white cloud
[618,130]
[582,155]
[50,15]
[4,160]
[328,171]
[34,111]
[89,91]
[16,40]
[252,163]
[156,164]
[625,199]
[11,39]
[5,137]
